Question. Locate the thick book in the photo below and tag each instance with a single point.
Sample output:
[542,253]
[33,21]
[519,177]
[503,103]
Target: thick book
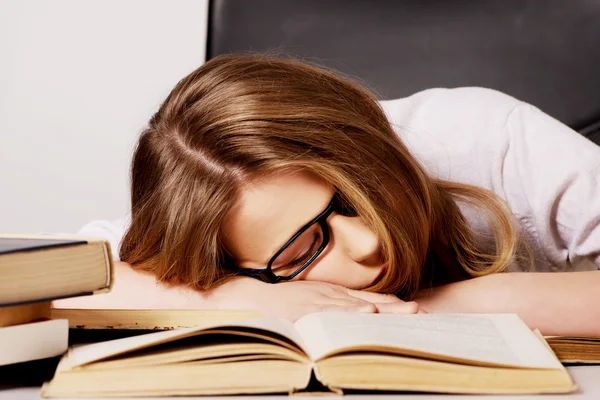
[24,313]
[33,341]
[99,325]
[42,268]
[146,319]
[442,353]
[580,350]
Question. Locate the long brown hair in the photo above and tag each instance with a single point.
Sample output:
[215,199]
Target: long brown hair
[241,117]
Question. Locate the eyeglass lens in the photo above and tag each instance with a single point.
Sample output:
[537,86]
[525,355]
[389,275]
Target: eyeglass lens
[299,252]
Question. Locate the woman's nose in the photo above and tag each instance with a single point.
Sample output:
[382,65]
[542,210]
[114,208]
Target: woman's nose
[357,240]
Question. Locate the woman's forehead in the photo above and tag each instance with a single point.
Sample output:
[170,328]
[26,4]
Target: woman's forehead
[270,211]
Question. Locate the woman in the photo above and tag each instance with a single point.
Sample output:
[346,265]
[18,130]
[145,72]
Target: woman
[259,170]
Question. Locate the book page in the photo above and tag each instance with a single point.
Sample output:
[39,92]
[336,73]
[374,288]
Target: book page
[98,351]
[499,339]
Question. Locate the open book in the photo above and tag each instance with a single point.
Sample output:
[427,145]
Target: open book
[453,353]
[89,325]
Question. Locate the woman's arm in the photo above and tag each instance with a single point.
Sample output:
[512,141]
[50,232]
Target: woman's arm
[137,290]
[562,304]
[550,177]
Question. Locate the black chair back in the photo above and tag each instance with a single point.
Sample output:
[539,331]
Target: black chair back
[546,52]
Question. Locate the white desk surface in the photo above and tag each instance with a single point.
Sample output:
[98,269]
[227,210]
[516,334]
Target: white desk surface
[586,377]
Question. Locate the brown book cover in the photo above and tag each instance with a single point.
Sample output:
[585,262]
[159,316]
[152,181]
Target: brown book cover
[24,313]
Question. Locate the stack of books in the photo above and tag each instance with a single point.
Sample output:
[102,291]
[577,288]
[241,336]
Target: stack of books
[34,270]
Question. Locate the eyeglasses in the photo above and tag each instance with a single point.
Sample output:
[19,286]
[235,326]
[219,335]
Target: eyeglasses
[302,249]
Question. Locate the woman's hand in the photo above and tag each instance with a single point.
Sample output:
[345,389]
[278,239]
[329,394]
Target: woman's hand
[292,300]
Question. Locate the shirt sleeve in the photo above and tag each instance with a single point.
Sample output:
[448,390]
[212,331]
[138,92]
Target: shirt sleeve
[555,173]
[112,231]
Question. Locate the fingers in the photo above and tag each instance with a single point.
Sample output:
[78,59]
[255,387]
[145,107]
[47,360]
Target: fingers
[372,297]
[349,306]
[386,303]
[362,308]
[402,307]
[338,298]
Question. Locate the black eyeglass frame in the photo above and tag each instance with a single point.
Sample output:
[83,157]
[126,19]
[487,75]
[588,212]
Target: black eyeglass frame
[267,274]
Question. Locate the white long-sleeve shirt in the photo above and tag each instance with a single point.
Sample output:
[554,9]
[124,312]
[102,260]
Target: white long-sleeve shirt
[548,174]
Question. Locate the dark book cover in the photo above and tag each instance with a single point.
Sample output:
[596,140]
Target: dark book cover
[16,245]
[9,245]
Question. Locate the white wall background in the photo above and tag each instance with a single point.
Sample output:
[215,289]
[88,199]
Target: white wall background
[78,81]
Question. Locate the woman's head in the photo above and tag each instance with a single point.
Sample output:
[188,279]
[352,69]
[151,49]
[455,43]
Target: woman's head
[294,223]
[247,149]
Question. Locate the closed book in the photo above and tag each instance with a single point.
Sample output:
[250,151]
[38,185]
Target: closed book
[98,325]
[146,319]
[24,313]
[38,268]
[581,350]
[33,341]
